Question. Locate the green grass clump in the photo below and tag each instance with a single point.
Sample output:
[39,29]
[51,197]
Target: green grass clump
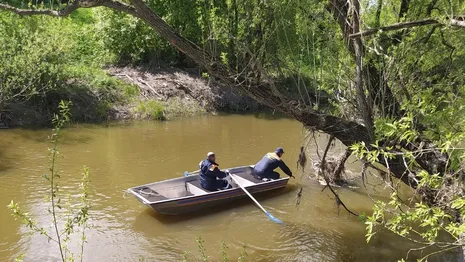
[130,91]
[150,109]
[178,107]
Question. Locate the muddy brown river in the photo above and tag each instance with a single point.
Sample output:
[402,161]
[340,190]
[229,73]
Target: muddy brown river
[122,229]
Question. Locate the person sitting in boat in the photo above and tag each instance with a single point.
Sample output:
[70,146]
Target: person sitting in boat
[264,168]
[209,172]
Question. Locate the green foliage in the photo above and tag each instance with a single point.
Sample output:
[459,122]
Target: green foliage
[74,215]
[31,57]
[224,254]
[202,250]
[130,39]
[401,130]
[150,109]
[45,60]
[205,75]
[423,222]
[127,37]
[427,226]
[425,71]
[20,258]
[131,91]
[243,254]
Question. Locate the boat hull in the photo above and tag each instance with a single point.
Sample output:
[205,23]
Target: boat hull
[197,203]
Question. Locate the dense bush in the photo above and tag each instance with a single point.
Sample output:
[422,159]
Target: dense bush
[45,60]
[131,40]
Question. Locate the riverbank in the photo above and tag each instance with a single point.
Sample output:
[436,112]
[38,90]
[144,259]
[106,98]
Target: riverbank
[168,92]
[129,93]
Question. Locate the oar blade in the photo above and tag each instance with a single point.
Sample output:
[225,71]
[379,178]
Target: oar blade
[274,219]
[186,173]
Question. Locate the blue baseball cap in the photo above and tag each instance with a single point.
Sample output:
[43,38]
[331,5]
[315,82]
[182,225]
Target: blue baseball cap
[279,150]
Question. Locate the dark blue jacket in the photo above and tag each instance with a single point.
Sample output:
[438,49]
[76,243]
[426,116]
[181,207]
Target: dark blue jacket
[269,163]
[209,171]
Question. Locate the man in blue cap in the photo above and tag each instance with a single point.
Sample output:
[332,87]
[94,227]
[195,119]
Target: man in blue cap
[210,174]
[264,168]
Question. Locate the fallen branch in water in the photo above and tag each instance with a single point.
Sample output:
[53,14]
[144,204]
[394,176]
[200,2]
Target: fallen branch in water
[328,184]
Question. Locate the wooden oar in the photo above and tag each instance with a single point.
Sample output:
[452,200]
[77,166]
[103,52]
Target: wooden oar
[270,216]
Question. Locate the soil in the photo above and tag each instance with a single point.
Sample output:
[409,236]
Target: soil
[187,86]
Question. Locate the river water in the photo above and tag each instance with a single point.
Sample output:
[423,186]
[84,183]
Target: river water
[122,229]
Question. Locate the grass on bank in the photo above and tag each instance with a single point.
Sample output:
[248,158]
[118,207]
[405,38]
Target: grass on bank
[179,107]
[150,109]
[172,108]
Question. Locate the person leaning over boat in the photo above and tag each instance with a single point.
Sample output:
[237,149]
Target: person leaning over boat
[209,172]
[264,168]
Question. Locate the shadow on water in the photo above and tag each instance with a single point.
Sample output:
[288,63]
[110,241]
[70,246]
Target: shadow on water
[265,114]
[141,219]
[68,136]
[5,161]
[270,115]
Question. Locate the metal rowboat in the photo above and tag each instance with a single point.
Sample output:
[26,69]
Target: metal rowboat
[185,195]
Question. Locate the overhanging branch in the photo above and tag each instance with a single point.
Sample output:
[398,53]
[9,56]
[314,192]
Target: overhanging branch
[67,10]
[423,22]
[62,12]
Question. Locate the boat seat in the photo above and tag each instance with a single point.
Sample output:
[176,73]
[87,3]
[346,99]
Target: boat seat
[195,188]
[150,194]
[250,178]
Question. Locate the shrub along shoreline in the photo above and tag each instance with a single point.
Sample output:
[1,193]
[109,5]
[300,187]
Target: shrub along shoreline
[132,93]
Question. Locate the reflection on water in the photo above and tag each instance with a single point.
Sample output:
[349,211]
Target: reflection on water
[120,157]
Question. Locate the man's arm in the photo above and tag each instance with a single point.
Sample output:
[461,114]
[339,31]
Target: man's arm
[219,173]
[284,168]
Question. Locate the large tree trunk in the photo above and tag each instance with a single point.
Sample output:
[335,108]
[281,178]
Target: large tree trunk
[365,109]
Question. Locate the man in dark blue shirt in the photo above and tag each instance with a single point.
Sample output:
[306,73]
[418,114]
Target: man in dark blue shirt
[209,172]
[264,168]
